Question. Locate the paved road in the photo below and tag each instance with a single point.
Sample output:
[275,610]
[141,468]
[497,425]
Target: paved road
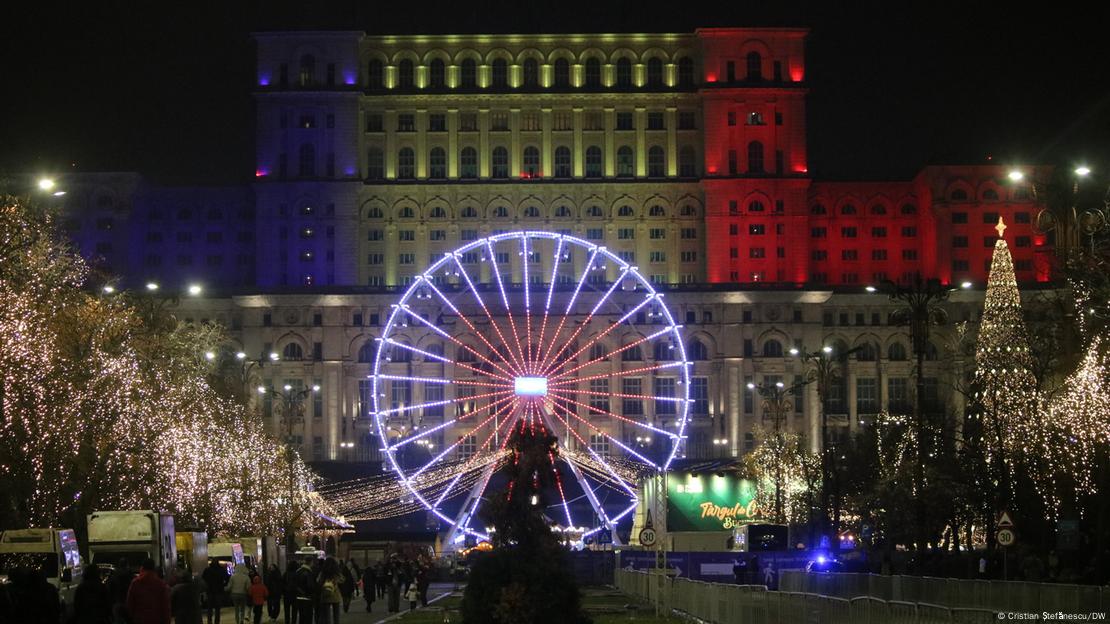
[357,614]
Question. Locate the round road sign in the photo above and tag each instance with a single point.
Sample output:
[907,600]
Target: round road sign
[647,537]
[1006,537]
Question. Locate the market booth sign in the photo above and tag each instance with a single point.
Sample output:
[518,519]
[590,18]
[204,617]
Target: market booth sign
[709,502]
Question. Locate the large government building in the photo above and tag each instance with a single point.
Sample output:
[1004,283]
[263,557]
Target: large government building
[684,154]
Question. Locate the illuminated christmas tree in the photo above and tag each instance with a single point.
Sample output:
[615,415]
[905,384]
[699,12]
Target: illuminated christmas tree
[1004,417]
[1077,437]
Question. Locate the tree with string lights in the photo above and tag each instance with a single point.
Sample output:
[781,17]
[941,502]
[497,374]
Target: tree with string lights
[1004,415]
[106,403]
[526,578]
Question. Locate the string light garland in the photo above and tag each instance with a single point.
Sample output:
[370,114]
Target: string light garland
[106,402]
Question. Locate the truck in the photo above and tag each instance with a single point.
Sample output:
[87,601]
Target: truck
[129,537]
[230,554]
[50,551]
[192,551]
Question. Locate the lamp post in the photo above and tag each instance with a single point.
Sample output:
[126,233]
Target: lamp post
[824,368]
[919,302]
[776,400]
[292,413]
[1066,211]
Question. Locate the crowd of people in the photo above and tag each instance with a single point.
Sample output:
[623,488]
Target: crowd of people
[310,590]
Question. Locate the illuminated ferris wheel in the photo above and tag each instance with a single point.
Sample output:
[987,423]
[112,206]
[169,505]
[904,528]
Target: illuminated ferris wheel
[530,329]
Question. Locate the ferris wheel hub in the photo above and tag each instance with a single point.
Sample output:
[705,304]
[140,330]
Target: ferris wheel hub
[530,386]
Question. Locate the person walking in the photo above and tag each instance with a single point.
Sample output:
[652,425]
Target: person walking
[215,580]
[331,596]
[346,586]
[185,599]
[118,584]
[238,586]
[275,588]
[382,576]
[289,596]
[304,580]
[412,595]
[422,582]
[369,586]
[148,597]
[356,574]
[258,593]
[91,602]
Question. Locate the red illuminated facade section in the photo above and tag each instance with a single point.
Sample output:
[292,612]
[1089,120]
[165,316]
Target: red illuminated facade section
[768,222]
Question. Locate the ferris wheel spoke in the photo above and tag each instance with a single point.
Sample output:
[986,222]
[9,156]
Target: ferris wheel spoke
[481,303]
[507,423]
[509,375]
[589,317]
[616,324]
[527,306]
[559,485]
[607,355]
[454,446]
[585,445]
[589,266]
[558,383]
[466,320]
[440,380]
[409,408]
[505,301]
[547,303]
[624,419]
[612,439]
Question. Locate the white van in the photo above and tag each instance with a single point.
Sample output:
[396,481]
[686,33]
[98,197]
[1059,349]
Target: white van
[51,551]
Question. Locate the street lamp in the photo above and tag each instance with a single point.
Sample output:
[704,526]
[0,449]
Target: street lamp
[920,308]
[776,400]
[824,368]
[46,184]
[292,413]
[195,289]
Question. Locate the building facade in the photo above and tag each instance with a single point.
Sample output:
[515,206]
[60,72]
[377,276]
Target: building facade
[685,154]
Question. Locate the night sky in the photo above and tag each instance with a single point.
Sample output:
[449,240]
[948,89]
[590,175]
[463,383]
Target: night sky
[166,92]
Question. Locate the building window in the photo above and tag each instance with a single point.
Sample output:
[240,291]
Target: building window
[437,122]
[655,121]
[500,73]
[755,66]
[655,72]
[468,74]
[375,75]
[755,157]
[531,168]
[593,72]
[468,163]
[306,167]
[624,73]
[687,162]
[633,387]
[406,164]
[685,72]
[624,121]
[562,162]
[562,73]
[656,162]
[687,120]
[437,163]
[500,162]
[593,162]
[405,79]
[531,73]
[626,162]
[437,74]
[308,70]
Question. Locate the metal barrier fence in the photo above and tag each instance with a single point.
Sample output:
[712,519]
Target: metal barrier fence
[722,603]
[953,593]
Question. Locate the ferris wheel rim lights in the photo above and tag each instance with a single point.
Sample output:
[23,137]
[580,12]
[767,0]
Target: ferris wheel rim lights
[519,375]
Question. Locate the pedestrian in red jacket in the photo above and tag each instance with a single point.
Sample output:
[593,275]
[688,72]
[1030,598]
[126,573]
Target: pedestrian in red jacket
[148,597]
[258,594]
